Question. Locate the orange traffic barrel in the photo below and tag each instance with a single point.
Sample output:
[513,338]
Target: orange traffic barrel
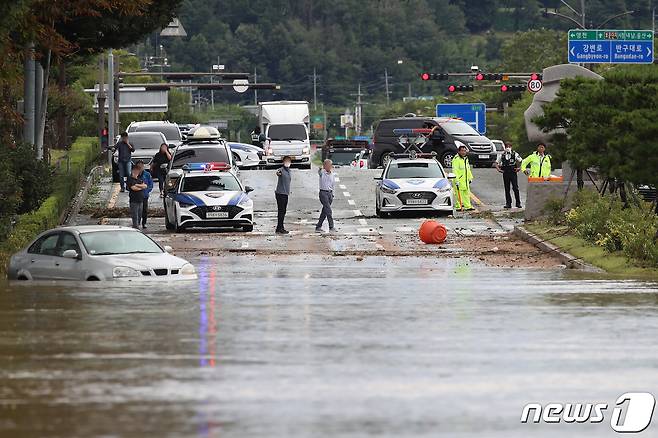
[432,232]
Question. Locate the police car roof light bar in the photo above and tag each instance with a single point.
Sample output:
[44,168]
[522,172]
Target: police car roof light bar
[406,131]
[206,167]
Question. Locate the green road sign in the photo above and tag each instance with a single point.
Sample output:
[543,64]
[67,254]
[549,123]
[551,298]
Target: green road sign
[610,35]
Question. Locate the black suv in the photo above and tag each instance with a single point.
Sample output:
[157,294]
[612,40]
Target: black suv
[445,140]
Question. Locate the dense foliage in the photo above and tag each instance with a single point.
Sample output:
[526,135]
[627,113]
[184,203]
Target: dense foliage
[353,41]
[610,124]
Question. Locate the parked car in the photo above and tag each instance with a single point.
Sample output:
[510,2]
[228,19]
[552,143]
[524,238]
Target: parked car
[94,253]
[449,135]
[168,129]
[416,184]
[342,152]
[208,195]
[146,145]
[247,155]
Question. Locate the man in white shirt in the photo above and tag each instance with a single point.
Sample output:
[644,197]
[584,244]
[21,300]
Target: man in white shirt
[327,182]
[509,164]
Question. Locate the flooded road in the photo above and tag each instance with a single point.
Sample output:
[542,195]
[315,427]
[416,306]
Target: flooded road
[322,346]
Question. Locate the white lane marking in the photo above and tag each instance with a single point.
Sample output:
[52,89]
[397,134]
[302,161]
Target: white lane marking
[404,229]
[364,230]
[337,179]
[346,194]
[363,222]
[351,202]
[358,213]
[342,186]
[245,244]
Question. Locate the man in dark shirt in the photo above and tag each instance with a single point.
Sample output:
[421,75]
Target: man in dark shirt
[281,193]
[136,187]
[124,165]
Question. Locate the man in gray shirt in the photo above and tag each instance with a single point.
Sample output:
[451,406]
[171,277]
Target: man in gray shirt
[281,193]
[327,182]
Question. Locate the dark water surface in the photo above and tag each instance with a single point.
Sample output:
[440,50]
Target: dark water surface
[313,346]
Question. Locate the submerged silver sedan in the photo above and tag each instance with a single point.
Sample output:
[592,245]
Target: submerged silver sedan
[95,253]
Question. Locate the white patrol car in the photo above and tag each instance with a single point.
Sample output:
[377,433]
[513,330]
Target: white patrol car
[207,195]
[411,183]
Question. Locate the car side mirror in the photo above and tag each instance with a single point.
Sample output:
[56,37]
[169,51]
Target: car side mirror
[452,176]
[168,248]
[248,189]
[70,254]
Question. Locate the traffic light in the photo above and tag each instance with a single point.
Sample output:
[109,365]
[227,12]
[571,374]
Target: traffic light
[425,76]
[506,88]
[489,76]
[536,76]
[459,88]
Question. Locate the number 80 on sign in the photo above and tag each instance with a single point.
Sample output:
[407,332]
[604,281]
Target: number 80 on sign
[535,85]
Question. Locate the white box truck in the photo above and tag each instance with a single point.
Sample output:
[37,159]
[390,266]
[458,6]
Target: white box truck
[286,126]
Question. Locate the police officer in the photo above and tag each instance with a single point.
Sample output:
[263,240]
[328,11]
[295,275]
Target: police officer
[540,163]
[463,179]
[508,164]
[258,138]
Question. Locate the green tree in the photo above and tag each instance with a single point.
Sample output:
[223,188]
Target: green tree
[534,50]
[609,124]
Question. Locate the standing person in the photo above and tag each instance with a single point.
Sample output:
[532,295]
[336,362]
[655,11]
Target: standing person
[539,161]
[281,193]
[146,177]
[463,179]
[508,164]
[327,181]
[124,164]
[258,138]
[162,157]
[136,188]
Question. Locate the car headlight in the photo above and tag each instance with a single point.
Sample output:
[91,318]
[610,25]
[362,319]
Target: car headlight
[185,205]
[187,269]
[124,271]
[388,190]
[306,150]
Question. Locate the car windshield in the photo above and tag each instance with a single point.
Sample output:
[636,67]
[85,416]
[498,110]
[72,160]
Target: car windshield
[170,132]
[145,141]
[216,154]
[457,127]
[287,132]
[118,242]
[343,158]
[211,183]
[414,170]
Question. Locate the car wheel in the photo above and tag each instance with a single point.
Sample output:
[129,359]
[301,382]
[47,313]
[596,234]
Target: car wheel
[236,159]
[446,159]
[386,158]
[93,279]
[248,228]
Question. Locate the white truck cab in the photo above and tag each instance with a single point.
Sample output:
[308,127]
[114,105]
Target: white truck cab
[286,125]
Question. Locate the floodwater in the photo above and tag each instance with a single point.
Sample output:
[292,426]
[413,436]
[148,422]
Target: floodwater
[323,347]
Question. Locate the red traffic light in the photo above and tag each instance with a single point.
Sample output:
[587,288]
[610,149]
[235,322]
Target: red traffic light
[534,77]
[504,88]
[452,88]
[479,77]
[425,76]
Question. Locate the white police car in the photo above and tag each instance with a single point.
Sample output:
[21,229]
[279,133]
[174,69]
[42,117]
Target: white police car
[207,195]
[417,184]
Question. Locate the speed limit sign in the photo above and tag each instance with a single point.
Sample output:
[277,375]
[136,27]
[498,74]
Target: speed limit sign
[534,85]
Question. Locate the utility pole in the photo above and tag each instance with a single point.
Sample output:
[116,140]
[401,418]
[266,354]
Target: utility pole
[388,100]
[255,91]
[110,104]
[29,96]
[315,91]
[358,124]
[101,101]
